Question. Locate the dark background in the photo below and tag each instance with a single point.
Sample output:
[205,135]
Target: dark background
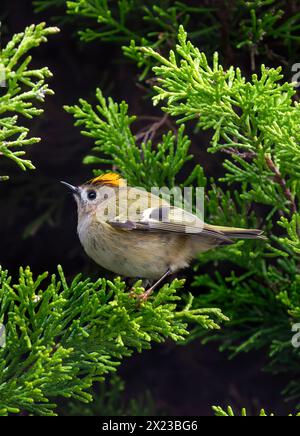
[38,223]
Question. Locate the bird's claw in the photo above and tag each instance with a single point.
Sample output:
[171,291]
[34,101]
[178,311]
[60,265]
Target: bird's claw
[142,298]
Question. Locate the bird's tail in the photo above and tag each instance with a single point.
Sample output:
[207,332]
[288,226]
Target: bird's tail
[226,234]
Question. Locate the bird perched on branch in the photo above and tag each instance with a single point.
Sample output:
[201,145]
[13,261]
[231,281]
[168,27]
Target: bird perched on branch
[137,234]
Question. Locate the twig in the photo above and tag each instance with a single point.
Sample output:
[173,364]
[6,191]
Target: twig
[150,132]
[244,155]
[279,179]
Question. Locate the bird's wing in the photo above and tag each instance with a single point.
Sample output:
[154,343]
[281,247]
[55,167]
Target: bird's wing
[170,220]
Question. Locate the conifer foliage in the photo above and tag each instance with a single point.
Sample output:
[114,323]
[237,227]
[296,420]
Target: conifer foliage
[60,337]
[22,90]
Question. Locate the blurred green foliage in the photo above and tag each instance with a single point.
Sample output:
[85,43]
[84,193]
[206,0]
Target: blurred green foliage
[219,411]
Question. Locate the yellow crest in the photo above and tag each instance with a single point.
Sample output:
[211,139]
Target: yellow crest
[109,179]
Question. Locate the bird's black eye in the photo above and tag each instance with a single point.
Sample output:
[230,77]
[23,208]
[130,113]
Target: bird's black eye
[92,195]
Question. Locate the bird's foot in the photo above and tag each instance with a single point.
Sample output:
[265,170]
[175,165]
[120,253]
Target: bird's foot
[136,291]
[143,297]
[146,294]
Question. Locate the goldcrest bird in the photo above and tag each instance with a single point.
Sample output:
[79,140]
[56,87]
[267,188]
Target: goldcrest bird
[137,234]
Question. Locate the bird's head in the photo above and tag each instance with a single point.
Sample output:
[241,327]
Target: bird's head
[96,193]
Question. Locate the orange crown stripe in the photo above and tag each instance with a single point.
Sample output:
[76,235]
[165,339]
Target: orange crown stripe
[111,179]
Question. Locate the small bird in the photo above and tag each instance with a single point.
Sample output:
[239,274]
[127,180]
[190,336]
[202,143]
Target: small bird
[137,234]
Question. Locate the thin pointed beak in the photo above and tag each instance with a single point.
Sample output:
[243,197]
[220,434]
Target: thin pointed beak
[74,189]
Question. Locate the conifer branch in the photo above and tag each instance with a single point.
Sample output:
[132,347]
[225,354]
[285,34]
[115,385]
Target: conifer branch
[147,164]
[61,338]
[24,89]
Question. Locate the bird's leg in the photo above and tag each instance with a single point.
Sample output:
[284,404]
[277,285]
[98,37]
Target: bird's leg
[146,294]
